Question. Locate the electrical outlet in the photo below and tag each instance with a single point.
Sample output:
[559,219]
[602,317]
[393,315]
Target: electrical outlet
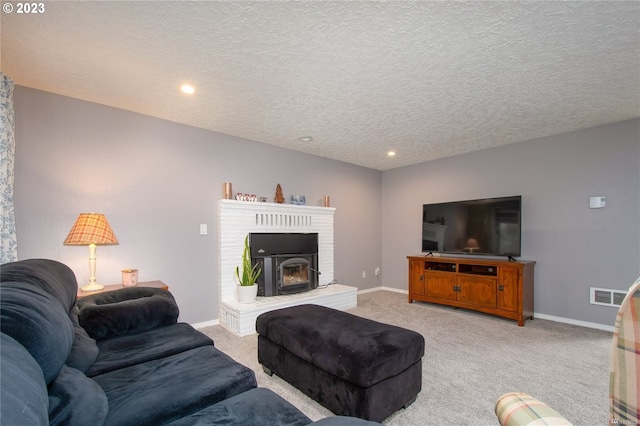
[377,271]
[364,274]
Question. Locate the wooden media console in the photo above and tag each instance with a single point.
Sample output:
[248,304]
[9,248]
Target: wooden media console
[498,287]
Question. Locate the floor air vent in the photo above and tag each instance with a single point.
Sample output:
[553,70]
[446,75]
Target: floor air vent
[606,297]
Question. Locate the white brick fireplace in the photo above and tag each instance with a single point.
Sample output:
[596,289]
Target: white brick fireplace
[236,219]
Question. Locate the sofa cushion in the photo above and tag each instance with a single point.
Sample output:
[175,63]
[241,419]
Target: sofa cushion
[23,392]
[256,407]
[76,400]
[131,349]
[166,389]
[38,322]
[127,310]
[54,277]
[84,351]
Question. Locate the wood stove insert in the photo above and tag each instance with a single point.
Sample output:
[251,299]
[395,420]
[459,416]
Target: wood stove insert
[289,262]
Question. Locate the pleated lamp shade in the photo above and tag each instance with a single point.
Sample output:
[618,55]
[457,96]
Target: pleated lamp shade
[91,228]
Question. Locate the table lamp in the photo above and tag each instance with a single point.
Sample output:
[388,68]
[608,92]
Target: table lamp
[472,244]
[91,229]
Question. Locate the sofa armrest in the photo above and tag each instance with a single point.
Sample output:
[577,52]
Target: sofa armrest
[521,409]
[125,311]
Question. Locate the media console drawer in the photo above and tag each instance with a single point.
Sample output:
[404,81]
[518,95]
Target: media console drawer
[501,288]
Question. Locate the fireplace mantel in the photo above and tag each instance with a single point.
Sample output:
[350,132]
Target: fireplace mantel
[236,219]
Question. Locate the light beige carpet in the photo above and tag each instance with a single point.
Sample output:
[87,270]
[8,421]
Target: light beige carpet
[470,360]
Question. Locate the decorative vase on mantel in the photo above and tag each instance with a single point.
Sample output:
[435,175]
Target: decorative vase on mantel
[248,289]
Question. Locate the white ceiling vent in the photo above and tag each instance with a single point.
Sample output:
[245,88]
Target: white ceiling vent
[606,297]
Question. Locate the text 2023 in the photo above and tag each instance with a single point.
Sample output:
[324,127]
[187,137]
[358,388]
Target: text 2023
[29,7]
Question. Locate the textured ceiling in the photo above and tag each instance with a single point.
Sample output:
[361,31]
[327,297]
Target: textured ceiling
[426,79]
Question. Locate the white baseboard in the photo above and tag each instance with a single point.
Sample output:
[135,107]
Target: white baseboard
[371,290]
[205,324]
[574,322]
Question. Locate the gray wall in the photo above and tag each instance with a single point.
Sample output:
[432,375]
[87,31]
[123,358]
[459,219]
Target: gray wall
[157,181]
[575,247]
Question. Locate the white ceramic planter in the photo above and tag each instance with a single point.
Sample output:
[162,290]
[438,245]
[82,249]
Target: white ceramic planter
[247,293]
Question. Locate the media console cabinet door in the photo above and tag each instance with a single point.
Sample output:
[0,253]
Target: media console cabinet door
[416,278]
[477,291]
[441,285]
[508,286]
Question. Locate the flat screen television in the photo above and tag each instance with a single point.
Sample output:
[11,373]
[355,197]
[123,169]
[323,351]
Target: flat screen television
[489,226]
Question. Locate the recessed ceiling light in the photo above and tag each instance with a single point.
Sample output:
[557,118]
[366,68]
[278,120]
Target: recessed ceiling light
[188,89]
[391,154]
[305,139]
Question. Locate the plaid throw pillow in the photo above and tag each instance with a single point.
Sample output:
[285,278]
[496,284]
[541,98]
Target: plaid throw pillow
[521,409]
[624,383]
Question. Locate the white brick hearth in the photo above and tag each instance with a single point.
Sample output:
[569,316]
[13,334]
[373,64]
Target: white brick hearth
[236,219]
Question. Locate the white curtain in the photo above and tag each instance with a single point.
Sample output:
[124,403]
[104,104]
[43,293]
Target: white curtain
[9,244]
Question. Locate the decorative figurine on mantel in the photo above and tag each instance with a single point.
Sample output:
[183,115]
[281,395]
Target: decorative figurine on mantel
[279,197]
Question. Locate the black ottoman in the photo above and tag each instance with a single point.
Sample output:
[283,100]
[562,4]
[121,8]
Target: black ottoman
[351,365]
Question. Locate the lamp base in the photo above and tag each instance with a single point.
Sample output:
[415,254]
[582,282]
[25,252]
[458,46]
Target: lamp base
[92,287]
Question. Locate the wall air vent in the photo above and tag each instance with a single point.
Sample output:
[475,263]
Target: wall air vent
[606,296]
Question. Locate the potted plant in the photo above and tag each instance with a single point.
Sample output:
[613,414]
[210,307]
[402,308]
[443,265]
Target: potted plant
[247,290]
